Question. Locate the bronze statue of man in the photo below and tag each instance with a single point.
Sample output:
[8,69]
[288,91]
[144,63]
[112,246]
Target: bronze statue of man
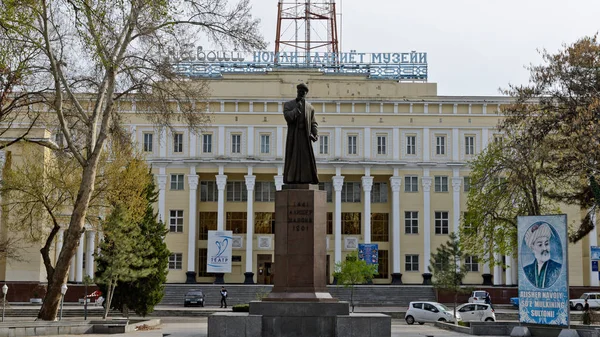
[300,166]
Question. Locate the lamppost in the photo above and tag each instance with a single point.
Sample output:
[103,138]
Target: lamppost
[63,291]
[4,291]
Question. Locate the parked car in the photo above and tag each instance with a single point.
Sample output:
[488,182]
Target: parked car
[514,301]
[422,312]
[593,301]
[478,296]
[472,312]
[194,297]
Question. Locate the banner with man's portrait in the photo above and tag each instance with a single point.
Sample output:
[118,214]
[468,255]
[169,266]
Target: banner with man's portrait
[543,274]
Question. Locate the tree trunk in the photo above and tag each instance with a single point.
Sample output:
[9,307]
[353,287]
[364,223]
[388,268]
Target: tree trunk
[111,290]
[455,304]
[51,303]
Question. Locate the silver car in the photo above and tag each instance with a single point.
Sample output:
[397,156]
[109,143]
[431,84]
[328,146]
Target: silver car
[422,312]
[472,312]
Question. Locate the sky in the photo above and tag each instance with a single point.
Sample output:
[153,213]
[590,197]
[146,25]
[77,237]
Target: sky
[474,47]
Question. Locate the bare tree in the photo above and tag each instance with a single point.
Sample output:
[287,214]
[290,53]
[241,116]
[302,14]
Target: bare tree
[109,49]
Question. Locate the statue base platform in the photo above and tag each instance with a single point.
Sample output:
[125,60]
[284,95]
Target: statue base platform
[286,319]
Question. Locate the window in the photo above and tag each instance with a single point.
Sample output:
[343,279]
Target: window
[411,184]
[207,143]
[177,182]
[236,222]
[411,144]
[381,142]
[327,186]
[264,223]
[329,223]
[352,144]
[380,227]
[441,222]
[379,192]
[467,184]
[351,223]
[498,139]
[472,263]
[236,143]
[208,222]
[382,265]
[469,145]
[323,144]
[351,192]
[264,144]
[148,142]
[236,191]
[176,261]
[264,191]
[209,191]
[441,184]
[202,259]
[178,143]
[411,222]
[176,221]
[440,145]
[411,263]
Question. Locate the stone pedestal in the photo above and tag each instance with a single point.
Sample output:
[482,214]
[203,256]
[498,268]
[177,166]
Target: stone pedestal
[427,278]
[396,278]
[300,246]
[219,278]
[487,279]
[249,278]
[190,277]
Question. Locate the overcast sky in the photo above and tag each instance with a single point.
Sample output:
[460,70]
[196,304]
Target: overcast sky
[473,47]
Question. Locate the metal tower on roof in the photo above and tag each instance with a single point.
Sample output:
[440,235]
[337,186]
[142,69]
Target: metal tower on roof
[305,27]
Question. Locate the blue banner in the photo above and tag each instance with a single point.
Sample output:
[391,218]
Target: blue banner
[368,252]
[595,252]
[594,265]
[543,274]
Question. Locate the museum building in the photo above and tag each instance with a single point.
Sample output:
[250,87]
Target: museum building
[392,155]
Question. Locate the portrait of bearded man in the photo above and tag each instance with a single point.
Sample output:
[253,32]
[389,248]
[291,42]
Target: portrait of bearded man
[543,271]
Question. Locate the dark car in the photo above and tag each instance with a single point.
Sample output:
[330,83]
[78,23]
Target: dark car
[194,297]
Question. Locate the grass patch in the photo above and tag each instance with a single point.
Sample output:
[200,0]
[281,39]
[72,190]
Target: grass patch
[241,308]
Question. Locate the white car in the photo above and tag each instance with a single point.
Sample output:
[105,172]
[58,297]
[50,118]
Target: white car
[478,296]
[472,312]
[422,312]
[593,301]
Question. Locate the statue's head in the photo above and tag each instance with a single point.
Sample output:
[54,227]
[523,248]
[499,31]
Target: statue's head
[302,90]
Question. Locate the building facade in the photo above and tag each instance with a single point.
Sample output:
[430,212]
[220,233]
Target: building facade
[392,156]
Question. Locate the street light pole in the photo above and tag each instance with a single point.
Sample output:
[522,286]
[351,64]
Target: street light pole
[63,291]
[4,291]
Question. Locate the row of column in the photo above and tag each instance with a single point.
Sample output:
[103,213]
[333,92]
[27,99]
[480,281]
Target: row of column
[76,269]
[338,181]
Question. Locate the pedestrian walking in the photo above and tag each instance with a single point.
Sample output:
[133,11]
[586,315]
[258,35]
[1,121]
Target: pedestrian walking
[223,297]
[587,317]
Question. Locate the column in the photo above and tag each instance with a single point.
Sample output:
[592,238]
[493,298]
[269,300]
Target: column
[162,143]
[367,185]
[395,183]
[221,183]
[192,225]
[338,182]
[593,239]
[514,272]
[250,181]
[455,147]
[497,269]
[456,184]
[426,182]
[161,179]
[509,268]
[79,266]
[89,253]
[279,177]
[487,276]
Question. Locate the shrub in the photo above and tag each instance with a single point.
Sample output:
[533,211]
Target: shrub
[241,308]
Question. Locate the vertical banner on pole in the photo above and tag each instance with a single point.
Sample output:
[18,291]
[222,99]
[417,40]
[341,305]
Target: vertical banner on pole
[543,274]
[219,252]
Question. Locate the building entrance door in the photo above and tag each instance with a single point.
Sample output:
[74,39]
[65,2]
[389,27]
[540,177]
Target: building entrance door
[264,268]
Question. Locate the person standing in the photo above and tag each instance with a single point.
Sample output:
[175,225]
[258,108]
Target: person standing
[223,297]
[488,300]
[587,317]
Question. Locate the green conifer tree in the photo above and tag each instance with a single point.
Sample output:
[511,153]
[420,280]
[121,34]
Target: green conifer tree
[142,294]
